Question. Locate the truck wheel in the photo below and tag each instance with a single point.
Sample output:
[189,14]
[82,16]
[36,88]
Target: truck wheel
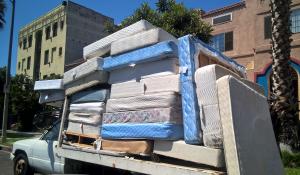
[21,165]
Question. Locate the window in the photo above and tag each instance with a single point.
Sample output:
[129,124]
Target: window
[295,21]
[46,57]
[62,24]
[60,51]
[23,63]
[28,62]
[53,53]
[223,42]
[24,43]
[19,65]
[20,44]
[268,27]
[30,41]
[48,30]
[222,19]
[54,29]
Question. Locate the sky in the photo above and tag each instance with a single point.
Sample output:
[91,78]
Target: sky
[28,10]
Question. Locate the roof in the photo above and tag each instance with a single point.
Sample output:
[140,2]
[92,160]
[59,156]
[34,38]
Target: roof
[223,9]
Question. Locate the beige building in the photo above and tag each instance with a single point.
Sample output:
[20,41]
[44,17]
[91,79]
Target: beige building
[243,30]
[54,42]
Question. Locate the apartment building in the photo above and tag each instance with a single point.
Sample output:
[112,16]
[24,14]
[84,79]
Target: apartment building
[54,41]
[242,31]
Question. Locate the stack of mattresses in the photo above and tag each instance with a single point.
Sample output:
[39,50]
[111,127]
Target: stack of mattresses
[145,100]
[249,142]
[86,85]
[50,90]
[86,110]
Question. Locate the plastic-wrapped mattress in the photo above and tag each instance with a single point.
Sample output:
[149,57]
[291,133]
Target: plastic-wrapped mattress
[206,89]
[95,107]
[155,115]
[152,53]
[151,131]
[127,89]
[189,49]
[157,100]
[140,40]
[102,46]
[163,67]
[249,141]
[83,70]
[140,147]
[83,128]
[191,153]
[51,96]
[85,117]
[95,78]
[90,95]
[56,84]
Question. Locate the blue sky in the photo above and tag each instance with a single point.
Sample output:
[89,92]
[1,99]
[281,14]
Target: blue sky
[28,10]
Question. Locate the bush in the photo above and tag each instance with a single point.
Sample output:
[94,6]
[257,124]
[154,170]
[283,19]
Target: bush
[291,160]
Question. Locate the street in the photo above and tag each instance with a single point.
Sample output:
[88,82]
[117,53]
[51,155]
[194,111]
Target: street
[6,165]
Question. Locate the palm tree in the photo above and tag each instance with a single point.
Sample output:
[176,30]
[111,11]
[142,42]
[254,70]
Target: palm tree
[283,105]
[2,8]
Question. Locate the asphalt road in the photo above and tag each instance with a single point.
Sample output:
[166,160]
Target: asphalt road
[6,165]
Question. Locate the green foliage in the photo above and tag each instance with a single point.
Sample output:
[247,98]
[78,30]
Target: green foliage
[173,17]
[23,101]
[292,171]
[291,160]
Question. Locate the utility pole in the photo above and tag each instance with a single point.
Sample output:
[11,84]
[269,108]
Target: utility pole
[7,82]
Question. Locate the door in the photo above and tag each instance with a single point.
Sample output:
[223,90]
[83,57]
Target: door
[45,158]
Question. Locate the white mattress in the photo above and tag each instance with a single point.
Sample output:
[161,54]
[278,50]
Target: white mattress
[157,100]
[95,78]
[127,89]
[83,69]
[102,46]
[249,141]
[48,85]
[82,128]
[150,69]
[85,117]
[192,153]
[140,40]
[158,84]
[51,96]
[206,89]
[254,86]
[96,107]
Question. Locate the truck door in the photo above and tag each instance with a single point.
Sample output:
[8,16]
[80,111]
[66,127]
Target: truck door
[45,158]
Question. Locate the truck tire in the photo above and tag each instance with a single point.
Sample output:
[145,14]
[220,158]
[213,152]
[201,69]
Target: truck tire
[21,165]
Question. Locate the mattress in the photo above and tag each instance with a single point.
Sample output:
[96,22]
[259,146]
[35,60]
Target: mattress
[128,146]
[190,109]
[90,95]
[157,100]
[191,153]
[249,142]
[83,70]
[140,40]
[152,53]
[155,115]
[150,69]
[254,86]
[161,84]
[51,96]
[127,89]
[95,107]
[93,79]
[86,117]
[102,46]
[83,128]
[48,85]
[207,95]
[151,131]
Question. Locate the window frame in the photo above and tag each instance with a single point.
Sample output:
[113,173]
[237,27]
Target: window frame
[29,41]
[222,15]
[225,46]
[54,29]
[46,58]
[28,63]
[48,32]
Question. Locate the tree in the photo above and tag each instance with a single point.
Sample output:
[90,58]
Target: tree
[283,105]
[2,9]
[173,17]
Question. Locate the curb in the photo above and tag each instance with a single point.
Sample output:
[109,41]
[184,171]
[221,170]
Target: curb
[5,148]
